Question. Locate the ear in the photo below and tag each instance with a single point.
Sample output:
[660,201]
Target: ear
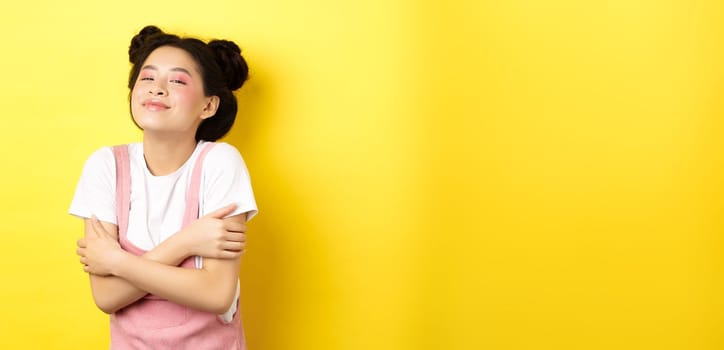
[212,104]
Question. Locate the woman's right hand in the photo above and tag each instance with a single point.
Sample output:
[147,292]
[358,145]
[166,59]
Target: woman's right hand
[213,237]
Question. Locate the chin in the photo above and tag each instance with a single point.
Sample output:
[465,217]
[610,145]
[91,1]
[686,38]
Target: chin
[146,123]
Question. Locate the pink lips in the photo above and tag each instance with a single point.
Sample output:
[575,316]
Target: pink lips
[153,105]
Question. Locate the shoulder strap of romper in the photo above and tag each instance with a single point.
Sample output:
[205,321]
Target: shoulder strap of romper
[123,187]
[192,195]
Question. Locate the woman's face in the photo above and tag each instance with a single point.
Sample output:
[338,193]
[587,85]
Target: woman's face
[168,96]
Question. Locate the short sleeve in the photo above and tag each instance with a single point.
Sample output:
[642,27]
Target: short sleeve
[95,192]
[226,180]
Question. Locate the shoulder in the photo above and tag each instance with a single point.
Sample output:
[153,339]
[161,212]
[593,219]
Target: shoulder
[104,160]
[99,171]
[106,154]
[224,155]
[100,159]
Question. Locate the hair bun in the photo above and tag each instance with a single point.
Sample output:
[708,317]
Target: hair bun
[140,39]
[232,64]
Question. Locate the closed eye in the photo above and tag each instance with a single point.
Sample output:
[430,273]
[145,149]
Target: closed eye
[176,81]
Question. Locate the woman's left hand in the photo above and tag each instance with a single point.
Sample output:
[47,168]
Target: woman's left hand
[99,252]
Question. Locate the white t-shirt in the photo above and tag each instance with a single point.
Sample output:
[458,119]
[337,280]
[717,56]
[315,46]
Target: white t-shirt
[158,202]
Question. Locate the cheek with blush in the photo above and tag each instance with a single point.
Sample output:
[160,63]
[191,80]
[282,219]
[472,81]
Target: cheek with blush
[189,98]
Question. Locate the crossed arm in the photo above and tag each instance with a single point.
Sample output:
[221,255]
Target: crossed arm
[119,278]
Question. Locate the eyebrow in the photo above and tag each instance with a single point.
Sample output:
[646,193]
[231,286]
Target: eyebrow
[175,69]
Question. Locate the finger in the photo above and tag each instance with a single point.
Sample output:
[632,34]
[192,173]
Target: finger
[80,252]
[235,226]
[221,213]
[235,237]
[227,254]
[81,243]
[83,260]
[232,246]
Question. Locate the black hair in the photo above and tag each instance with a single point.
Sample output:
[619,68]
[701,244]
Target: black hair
[222,67]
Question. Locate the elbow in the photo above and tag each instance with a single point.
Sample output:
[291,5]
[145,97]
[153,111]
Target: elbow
[218,310]
[220,305]
[103,297]
[221,301]
[106,307]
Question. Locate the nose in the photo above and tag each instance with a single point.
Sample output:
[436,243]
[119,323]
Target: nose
[157,91]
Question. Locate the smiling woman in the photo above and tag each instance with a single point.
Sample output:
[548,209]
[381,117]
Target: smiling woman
[165,218]
[169,100]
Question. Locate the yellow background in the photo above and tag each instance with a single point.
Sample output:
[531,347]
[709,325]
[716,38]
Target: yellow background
[430,174]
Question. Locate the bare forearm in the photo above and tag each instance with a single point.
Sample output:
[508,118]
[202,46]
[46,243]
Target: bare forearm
[209,289]
[112,293]
[146,274]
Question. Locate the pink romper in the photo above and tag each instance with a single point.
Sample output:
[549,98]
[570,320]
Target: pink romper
[156,323]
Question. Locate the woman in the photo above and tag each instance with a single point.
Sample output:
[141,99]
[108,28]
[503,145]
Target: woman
[165,218]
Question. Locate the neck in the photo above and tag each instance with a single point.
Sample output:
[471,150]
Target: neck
[166,155]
